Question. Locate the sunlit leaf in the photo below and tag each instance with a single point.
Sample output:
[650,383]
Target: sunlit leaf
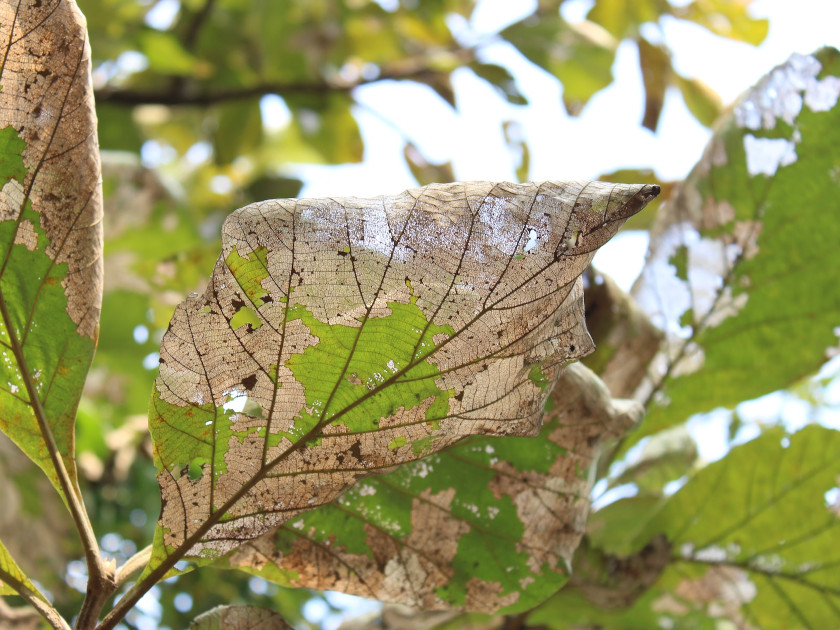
[579,55]
[702,101]
[742,273]
[757,535]
[12,579]
[50,228]
[727,18]
[389,328]
[490,523]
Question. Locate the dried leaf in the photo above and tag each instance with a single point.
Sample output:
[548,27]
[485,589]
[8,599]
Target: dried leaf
[488,524]
[50,225]
[240,618]
[360,334]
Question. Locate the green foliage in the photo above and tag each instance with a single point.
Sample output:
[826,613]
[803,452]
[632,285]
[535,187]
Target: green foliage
[755,218]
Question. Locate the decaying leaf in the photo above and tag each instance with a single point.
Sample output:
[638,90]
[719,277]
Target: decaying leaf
[341,337]
[50,225]
[489,524]
[240,618]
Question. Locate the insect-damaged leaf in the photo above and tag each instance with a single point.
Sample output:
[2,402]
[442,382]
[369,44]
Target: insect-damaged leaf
[742,272]
[50,226]
[358,334]
[489,524]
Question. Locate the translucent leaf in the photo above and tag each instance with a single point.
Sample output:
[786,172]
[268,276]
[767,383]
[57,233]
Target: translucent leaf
[50,228]
[388,329]
[742,270]
[727,18]
[752,539]
[758,534]
[489,524]
[12,579]
[702,101]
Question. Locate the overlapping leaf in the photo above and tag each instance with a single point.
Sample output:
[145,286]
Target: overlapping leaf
[358,334]
[50,226]
[754,542]
[725,276]
[489,524]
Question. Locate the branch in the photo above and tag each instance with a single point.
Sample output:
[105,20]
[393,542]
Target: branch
[132,565]
[34,599]
[420,69]
[98,576]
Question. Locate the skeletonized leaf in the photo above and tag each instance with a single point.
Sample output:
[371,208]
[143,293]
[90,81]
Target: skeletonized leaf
[358,334]
[240,618]
[489,524]
[743,266]
[50,226]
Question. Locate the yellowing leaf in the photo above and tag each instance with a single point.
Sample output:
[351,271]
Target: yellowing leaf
[390,328]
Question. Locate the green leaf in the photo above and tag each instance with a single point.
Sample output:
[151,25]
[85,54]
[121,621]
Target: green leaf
[501,79]
[240,618]
[50,232]
[327,125]
[424,171]
[758,520]
[726,18]
[758,301]
[391,328]
[239,131]
[579,55]
[167,56]
[12,579]
[655,63]
[702,101]
[622,18]
[489,524]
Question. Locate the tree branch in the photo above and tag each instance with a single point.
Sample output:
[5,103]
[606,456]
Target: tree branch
[98,577]
[178,93]
[132,565]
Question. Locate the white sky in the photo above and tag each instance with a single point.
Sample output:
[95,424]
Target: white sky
[607,135]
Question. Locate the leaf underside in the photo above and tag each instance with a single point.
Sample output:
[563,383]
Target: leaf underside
[359,334]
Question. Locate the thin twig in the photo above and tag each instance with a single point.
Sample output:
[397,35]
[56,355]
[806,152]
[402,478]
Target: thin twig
[132,565]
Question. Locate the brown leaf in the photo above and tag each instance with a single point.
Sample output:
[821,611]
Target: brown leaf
[45,74]
[375,331]
[240,618]
[429,561]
